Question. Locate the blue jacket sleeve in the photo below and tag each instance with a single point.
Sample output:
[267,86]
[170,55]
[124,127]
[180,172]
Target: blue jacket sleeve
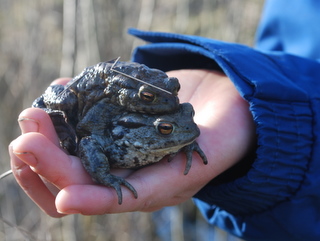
[290,27]
[278,198]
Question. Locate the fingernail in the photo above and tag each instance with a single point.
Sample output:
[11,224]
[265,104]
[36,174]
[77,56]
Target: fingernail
[27,157]
[69,211]
[32,124]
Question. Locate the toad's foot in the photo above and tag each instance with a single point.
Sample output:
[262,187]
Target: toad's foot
[194,146]
[116,182]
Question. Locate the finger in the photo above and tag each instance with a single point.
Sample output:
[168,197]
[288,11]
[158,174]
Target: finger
[96,199]
[31,183]
[48,160]
[37,120]
[159,185]
[61,81]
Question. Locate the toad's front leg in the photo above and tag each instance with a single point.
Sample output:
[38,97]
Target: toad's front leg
[97,165]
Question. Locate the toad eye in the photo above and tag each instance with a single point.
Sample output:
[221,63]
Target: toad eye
[147,96]
[165,128]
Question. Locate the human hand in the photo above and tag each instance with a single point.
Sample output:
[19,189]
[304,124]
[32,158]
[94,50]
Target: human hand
[227,133]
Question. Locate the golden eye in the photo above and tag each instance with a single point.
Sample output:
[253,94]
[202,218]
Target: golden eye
[165,128]
[147,96]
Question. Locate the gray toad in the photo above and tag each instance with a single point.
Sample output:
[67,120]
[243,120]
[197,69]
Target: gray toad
[100,81]
[137,140]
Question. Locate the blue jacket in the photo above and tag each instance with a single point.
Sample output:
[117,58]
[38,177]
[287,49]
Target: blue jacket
[277,197]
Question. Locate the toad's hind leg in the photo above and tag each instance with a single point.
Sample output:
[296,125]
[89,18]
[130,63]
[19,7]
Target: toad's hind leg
[97,165]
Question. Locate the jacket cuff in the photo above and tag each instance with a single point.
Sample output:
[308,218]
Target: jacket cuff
[284,140]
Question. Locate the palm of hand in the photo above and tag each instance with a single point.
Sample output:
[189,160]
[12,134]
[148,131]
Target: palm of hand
[226,135]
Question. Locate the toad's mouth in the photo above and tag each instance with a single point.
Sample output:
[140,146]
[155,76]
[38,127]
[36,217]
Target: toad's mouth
[171,149]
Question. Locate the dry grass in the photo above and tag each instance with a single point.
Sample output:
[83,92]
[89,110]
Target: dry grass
[42,40]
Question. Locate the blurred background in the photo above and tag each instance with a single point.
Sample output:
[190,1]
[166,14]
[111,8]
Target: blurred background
[42,40]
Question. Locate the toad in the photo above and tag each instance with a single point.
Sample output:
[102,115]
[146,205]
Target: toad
[121,115]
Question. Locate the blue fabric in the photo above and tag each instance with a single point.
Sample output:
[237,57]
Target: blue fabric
[278,198]
[291,26]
